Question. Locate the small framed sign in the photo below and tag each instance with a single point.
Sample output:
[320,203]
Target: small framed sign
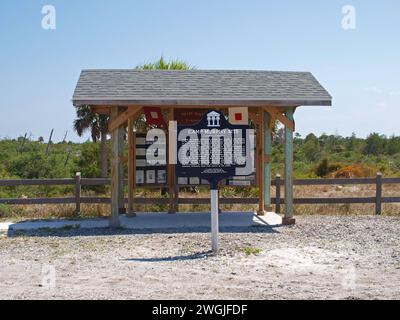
[161,176]
[139,176]
[150,176]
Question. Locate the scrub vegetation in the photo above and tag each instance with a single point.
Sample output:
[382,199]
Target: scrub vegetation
[323,156]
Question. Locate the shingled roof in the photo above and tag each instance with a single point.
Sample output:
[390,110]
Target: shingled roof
[198,87]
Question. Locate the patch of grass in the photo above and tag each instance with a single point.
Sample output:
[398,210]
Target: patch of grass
[5,210]
[248,251]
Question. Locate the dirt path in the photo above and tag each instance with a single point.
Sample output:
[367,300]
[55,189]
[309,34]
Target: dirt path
[319,258]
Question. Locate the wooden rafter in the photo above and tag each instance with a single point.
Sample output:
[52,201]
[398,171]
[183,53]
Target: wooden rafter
[123,118]
[276,114]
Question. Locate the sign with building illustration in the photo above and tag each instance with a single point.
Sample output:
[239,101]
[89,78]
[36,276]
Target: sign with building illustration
[213,149]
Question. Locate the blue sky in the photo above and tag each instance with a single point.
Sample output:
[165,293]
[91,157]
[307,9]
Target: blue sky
[360,68]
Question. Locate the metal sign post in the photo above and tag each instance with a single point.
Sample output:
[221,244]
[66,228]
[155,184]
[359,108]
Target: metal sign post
[213,149]
[214,216]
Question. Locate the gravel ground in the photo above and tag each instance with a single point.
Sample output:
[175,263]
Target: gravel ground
[322,257]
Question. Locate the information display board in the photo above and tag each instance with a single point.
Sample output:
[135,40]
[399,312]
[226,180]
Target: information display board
[146,173]
[213,149]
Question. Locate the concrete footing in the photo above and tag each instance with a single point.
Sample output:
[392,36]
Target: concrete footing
[153,221]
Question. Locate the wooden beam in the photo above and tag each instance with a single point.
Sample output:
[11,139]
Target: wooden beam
[123,118]
[131,167]
[288,218]
[271,122]
[253,116]
[172,180]
[260,161]
[267,161]
[121,203]
[276,113]
[115,172]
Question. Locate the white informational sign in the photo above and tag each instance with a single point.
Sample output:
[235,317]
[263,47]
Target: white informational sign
[161,176]
[150,176]
[139,176]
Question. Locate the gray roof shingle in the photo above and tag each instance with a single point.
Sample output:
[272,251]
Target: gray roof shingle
[199,87]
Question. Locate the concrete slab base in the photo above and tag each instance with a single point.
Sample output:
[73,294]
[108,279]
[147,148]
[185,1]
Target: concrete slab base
[155,221]
[271,219]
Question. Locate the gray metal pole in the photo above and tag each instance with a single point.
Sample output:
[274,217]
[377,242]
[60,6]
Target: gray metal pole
[214,220]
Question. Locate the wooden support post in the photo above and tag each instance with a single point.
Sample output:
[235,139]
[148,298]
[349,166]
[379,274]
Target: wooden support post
[278,193]
[176,193]
[172,181]
[78,193]
[256,163]
[260,160]
[121,202]
[378,204]
[116,176]
[267,161]
[288,218]
[131,168]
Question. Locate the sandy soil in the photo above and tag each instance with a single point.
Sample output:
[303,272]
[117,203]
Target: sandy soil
[325,257]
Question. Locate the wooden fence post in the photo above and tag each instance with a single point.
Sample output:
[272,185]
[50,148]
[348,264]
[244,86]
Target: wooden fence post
[78,193]
[278,193]
[378,204]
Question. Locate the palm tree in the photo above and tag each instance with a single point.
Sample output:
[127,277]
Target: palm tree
[162,64]
[97,124]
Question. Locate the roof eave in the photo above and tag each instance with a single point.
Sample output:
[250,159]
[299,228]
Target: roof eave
[202,102]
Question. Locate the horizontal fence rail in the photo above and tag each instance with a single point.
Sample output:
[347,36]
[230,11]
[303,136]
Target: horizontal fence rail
[78,199]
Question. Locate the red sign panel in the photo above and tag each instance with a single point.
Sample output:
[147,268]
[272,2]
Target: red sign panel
[154,116]
[188,116]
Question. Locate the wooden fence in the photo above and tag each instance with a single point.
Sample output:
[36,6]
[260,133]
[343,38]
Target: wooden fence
[278,200]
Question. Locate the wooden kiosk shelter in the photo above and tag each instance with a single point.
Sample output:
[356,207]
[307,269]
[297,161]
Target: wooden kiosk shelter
[269,96]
